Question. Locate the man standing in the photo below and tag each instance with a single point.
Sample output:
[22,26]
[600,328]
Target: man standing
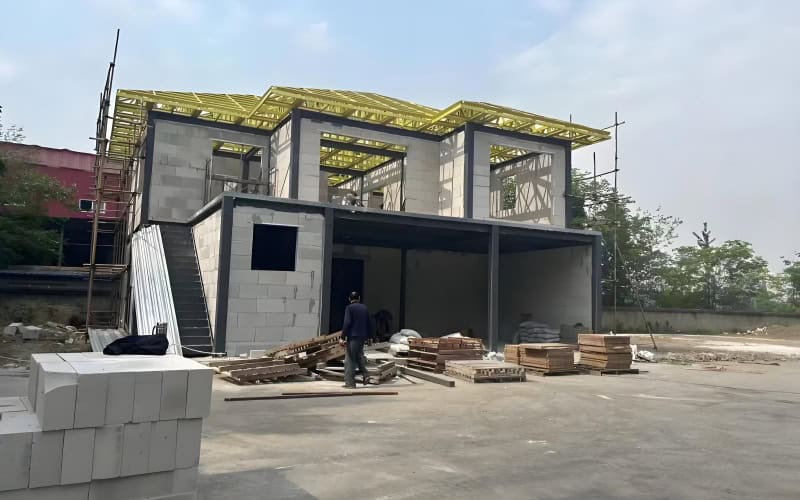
[355,331]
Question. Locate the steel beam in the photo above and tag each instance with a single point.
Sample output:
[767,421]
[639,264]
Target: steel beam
[360,148]
[494,287]
[327,272]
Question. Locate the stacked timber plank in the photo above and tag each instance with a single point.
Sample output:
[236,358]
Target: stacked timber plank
[547,358]
[485,371]
[308,353]
[605,352]
[244,371]
[432,353]
[511,353]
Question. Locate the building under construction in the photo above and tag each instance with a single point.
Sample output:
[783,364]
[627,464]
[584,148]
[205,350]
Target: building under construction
[252,217]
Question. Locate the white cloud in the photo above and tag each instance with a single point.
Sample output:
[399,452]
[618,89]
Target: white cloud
[8,69]
[316,37]
[553,6]
[708,88]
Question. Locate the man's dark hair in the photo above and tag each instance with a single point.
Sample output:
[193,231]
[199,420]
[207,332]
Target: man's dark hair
[355,296]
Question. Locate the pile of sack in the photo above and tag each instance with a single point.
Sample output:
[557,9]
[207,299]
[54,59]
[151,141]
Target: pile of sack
[398,343]
[531,332]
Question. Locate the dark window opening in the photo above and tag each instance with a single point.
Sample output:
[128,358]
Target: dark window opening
[274,248]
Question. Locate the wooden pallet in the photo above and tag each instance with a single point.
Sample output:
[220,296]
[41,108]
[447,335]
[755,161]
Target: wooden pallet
[547,373]
[485,371]
[267,372]
[605,371]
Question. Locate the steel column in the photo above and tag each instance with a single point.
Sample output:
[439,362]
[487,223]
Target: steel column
[327,264]
[494,287]
[223,278]
[469,169]
[294,155]
[401,321]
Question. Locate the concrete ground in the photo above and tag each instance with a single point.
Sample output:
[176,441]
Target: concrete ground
[674,432]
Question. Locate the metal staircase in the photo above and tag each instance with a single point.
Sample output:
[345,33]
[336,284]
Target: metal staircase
[187,289]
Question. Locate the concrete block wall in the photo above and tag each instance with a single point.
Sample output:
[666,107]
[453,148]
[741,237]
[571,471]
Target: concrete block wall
[105,453]
[280,159]
[534,190]
[551,286]
[421,168]
[267,308]
[206,235]
[234,167]
[180,153]
[482,175]
[451,176]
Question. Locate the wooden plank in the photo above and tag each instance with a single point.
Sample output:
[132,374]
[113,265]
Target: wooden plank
[312,395]
[231,362]
[605,349]
[427,376]
[269,372]
[547,373]
[254,364]
[608,371]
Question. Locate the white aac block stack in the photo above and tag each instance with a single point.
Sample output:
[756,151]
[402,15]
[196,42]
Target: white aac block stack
[102,427]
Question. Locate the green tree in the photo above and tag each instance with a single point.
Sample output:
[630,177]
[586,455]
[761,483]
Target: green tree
[725,277]
[24,196]
[791,276]
[642,239]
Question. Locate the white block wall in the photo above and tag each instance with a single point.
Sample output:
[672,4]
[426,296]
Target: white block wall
[534,190]
[549,286]
[206,242]
[280,159]
[451,176]
[180,153]
[421,171]
[481,189]
[267,308]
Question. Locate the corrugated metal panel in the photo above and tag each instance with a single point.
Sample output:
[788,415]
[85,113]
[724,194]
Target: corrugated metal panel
[151,288]
[99,338]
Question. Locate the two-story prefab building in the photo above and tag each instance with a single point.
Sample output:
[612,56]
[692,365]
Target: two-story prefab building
[449,220]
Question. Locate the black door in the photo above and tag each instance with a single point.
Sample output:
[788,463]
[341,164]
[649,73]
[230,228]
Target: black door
[347,276]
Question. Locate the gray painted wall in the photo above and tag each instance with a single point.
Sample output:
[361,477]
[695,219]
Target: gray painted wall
[693,321]
[267,308]
[549,286]
[280,159]
[381,277]
[180,153]
[206,242]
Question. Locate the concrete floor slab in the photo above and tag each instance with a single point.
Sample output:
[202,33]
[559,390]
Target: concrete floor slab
[673,432]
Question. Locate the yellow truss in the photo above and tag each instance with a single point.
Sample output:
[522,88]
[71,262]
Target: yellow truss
[266,111]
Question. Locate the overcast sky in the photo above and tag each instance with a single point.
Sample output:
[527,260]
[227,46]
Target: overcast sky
[710,90]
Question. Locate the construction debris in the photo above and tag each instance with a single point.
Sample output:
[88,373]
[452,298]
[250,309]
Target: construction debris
[432,353]
[604,352]
[485,371]
[378,373]
[307,395]
[428,376]
[12,329]
[547,358]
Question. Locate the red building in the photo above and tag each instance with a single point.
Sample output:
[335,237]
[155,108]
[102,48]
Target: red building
[74,170]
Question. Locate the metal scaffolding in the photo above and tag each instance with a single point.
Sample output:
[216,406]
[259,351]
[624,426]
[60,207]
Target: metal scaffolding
[114,188]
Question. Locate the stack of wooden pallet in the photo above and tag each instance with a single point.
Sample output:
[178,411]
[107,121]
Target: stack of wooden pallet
[308,353]
[511,353]
[378,374]
[431,354]
[485,371]
[605,352]
[547,358]
[245,371]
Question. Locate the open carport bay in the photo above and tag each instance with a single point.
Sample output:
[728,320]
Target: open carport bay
[439,280]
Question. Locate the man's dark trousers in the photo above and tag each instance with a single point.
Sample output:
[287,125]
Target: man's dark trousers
[354,357]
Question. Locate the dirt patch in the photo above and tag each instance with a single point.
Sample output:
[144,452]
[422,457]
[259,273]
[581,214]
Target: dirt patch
[15,352]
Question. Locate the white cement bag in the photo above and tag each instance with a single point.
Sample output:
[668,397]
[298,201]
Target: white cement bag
[456,335]
[409,333]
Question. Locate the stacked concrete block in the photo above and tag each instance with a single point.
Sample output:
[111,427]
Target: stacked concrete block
[180,154]
[267,308]
[95,426]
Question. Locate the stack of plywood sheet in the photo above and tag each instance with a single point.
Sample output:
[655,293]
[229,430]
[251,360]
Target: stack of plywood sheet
[511,353]
[432,353]
[485,371]
[547,358]
[605,352]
